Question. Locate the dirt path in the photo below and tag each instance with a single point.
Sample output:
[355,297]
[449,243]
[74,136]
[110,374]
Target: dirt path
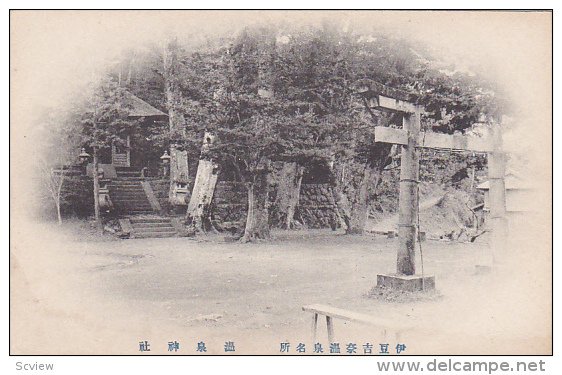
[76,296]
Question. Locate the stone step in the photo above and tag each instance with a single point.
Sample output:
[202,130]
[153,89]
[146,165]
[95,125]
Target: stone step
[157,224]
[152,223]
[128,173]
[133,207]
[132,197]
[137,212]
[132,200]
[144,205]
[127,192]
[126,189]
[125,202]
[132,184]
[126,178]
[154,219]
[128,197]
[154,230]
[154,234]
[132,203]
[134,210]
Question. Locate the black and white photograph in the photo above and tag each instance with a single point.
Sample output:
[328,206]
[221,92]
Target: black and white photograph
[281,183]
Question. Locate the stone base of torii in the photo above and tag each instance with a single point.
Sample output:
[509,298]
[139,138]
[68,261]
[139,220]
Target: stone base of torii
[411,139]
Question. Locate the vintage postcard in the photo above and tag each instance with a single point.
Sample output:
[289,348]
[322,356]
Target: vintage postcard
[288,183]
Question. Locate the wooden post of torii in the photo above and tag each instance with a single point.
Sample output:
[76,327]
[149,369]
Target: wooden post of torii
[411,139]
[496,178]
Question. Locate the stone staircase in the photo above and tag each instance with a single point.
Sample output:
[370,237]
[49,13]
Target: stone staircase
[126,172]
[133,207]
[152,227]
[128,196]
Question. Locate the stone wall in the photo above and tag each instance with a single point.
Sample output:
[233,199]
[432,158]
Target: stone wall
[317,208]
[229,204]
[316,205]
[77,197]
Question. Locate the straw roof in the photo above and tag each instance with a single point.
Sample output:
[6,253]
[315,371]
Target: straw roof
[140,108]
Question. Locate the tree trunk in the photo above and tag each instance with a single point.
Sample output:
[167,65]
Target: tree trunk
[293,202]
[257,219]
[59,216]
[342,208]
[56,183]
[355,184]
[340,198]
[288,193]
[96,188]
[360,206]
[198,217]
[178,158]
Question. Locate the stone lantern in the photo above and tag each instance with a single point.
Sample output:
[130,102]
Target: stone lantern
[166,163]
[84,156]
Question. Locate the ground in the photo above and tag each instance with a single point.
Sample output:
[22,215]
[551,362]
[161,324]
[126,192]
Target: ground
[79,294]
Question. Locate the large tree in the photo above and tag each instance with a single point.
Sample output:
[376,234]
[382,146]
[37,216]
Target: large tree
[453,102]
[102,120]
[268,95]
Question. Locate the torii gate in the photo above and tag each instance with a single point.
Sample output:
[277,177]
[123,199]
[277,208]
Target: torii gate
[411,138]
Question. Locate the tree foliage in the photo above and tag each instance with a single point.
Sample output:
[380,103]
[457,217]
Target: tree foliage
[285,93]
[104,119]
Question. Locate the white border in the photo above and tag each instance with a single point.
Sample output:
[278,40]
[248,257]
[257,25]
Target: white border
[95,365]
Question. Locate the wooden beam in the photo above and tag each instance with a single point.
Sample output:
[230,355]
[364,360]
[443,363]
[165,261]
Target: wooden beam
[434,140]
[409,197]
[388,104]
[391,135]
[454,142]
[350,316]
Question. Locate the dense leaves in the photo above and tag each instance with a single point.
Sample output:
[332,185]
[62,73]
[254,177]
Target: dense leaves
[271,93]
[279,93]
[103,119]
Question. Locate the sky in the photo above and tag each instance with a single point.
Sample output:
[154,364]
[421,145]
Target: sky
[58,46]
[54,53]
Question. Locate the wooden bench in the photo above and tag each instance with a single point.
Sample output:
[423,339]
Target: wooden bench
[332,313]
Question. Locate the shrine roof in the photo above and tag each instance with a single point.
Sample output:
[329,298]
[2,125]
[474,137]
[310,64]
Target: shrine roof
[140,108]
